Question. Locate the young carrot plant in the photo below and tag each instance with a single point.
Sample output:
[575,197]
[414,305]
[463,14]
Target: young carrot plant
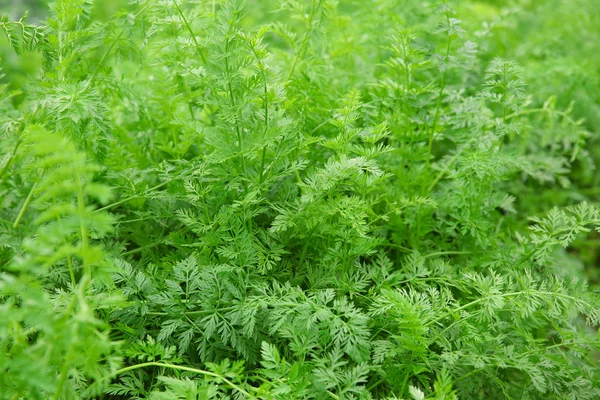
[300,199]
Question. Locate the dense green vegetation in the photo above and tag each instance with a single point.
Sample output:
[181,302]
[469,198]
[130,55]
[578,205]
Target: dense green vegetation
[300,199]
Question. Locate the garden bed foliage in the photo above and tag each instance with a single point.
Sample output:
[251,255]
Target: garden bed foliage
[300,199]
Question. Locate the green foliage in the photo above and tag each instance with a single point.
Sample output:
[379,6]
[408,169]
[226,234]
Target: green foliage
[301,199]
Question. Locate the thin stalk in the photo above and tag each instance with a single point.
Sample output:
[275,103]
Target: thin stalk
[374,385]
[428,279]
[189,28]
[24,206]
[438,105]
[64,372]
[433,129]
[83,228]
[18,143]
[11,157]
[60,55]
[399,247]
[304,41]
[71,272]
[141,248]
[443,253]
[111,47]
[137,196]
[504,85]
[191,110]
[541,110]
[129,221]
[511,294]
[264,150]
[415,239]
[106,53]
[266,111]
[262,165]
[187,369]
[441,174]
[233,106]
[321,125]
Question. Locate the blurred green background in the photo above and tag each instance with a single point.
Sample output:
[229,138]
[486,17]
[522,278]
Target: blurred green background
[557,42]
[16,8]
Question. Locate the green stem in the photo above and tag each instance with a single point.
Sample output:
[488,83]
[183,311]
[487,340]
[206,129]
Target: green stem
[266,111]
[83,227]
[504,85]
[137,196]
[262,165]
[183,368]
[438,105]
[71,272]
[510,294]
[59,50]
[374,385]
[141,248]
[24,206]
[18,142]
[264,150]
[232,103]
[106,53]
[441,174]
[304,41]
[443,253]
[189,28]
[64,372]
[11,157]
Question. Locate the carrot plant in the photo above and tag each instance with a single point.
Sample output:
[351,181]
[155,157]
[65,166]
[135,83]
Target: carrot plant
[300,199]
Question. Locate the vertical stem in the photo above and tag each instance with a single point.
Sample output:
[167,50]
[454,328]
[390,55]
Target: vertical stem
[191,110]
[64,372]
[189,28]
[24,206]
[233,104]
[71,272]
[416,241]
[437,109]
[407,64]
[12,155]
[106,53]
[434,126]
[80,294]
[305,40]
[504,85]
[266,111]
[83,227]
[262,165]
[60,74]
